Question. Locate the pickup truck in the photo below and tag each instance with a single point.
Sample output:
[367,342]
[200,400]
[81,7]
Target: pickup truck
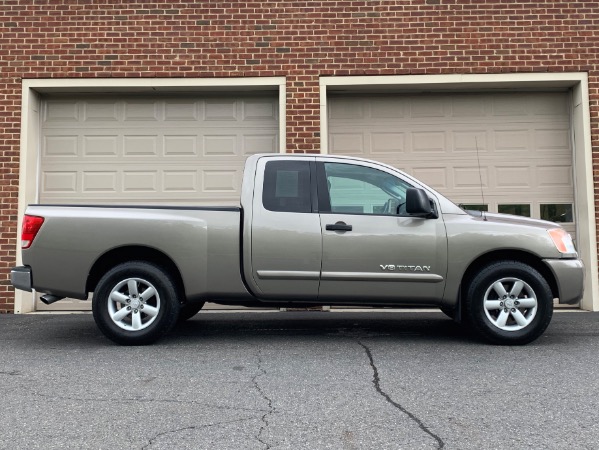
[310,230]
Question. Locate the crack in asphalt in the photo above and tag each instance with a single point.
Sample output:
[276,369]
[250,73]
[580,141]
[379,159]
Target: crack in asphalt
[271,409]
[376,381]
[195,427]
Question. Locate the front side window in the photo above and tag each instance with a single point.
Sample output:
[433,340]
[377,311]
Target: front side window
[287,186]
[363,190]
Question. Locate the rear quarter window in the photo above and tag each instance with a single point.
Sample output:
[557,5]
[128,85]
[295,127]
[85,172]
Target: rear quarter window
[287,186]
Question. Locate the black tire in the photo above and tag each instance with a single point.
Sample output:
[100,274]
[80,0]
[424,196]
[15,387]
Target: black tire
[188,310]
[119,302]
[508,303]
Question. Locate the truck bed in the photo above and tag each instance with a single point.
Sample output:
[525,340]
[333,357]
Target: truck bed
[75,240]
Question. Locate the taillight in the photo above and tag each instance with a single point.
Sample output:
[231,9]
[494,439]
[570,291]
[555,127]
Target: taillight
[31,225]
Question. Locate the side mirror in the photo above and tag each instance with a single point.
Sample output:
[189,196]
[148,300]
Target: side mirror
[417,203]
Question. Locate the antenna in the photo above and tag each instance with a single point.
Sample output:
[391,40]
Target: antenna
[480,176]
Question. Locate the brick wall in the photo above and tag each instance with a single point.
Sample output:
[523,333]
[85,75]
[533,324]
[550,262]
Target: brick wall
[300,40]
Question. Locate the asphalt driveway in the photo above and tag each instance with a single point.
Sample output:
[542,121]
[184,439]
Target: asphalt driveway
[297,380]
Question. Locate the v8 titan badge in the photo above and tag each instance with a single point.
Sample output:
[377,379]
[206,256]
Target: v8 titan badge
[404,268]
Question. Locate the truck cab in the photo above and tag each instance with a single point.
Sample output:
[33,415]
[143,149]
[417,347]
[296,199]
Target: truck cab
[339,231]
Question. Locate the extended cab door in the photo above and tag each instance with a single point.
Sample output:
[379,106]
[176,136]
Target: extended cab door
[286,245]
[373,249]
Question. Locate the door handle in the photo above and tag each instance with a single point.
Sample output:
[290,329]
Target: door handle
[339,226]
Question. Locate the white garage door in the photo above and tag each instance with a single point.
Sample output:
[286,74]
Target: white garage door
[161,150]
[522,140]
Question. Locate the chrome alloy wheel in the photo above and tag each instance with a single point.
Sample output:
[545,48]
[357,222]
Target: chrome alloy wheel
[510,304]
[133,304]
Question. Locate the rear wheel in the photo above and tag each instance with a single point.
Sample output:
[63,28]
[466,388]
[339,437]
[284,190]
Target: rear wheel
[509,302]
[135,303]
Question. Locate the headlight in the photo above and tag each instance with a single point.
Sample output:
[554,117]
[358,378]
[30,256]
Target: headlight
[562,240]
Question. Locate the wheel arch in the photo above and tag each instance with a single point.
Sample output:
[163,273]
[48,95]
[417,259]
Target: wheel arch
[123,254]
[508,255]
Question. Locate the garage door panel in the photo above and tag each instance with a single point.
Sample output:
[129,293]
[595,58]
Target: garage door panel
[389,109]
[462,108]
[220,110]
[98,145]
[436,177]
[535,175]
[130,113]
[509,105]
[469,178]
[469,141]
[385,142]
[104,182]
[259,110]
[181,110]
[140,110]
[220,145]
[61,111]
[220,181]
[258,142]
[554,139]
[140,145]
[556,176]
[59,182]
[347,109]
[100,111]
[180,145]
[145,181]
[513,177]
[60,146]
[180,181]
[173,183]
[429,142]
[428,107]
[351,143]
[512,140]
[460,139]
[470,107]
[550,105]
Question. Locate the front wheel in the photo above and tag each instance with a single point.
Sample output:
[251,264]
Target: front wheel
[508,302]
[135,303]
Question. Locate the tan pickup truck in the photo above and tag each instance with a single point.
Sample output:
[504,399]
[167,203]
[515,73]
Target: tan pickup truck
[310,230]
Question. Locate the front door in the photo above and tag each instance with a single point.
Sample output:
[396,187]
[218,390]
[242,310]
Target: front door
[372,249]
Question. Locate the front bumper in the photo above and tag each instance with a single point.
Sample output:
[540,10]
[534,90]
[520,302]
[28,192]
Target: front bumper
[20,278]
[569,274]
